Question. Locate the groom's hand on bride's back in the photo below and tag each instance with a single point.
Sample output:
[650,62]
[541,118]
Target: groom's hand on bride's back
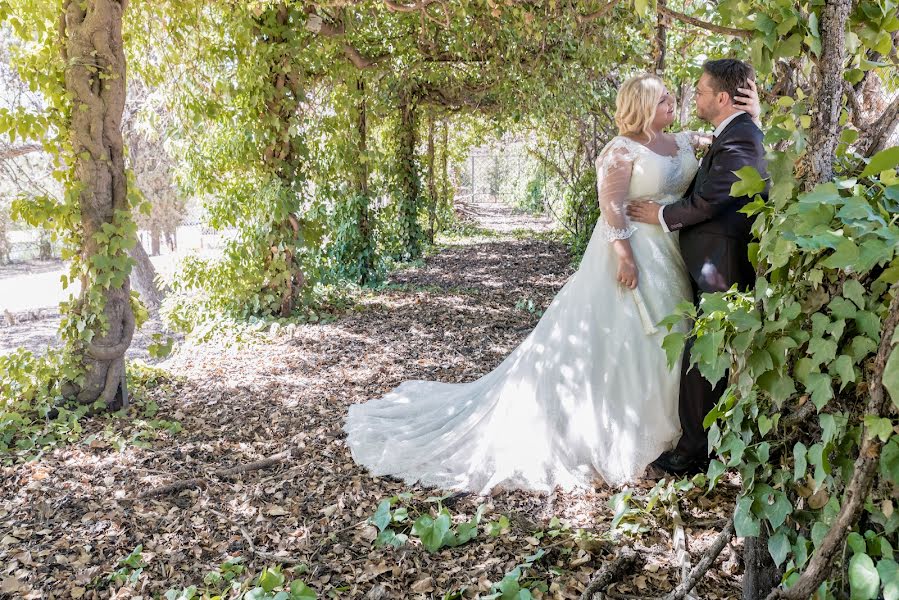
[643,211]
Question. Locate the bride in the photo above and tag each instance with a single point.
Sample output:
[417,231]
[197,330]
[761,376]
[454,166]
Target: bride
[588,393]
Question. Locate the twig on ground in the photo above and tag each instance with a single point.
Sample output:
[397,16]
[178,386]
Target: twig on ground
[708,558]
[611,571]
[679,539]
[177,486]
[268,556]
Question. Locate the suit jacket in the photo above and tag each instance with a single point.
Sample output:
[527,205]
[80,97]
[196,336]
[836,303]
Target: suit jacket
[714,237]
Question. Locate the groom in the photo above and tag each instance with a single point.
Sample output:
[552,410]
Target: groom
[714,236]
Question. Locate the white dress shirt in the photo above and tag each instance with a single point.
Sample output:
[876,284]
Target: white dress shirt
[718,130]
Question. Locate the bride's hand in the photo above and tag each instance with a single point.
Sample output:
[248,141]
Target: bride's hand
[749,101]
[627,272]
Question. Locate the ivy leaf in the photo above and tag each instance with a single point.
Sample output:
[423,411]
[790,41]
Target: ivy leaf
[864,581]
[868,323]
[826,193]
[818,458]
[889,460]
[891,377]
[300,591]
[886,159]
[821,389]
[270,579]
[822,350]
[432,531]
[716,470]
[846,255]
[799,463]
[889,576]
[878,427]
[674,347]
[776,507]
[779,547]
[842,308]
[856,542]
[861,347]
[381,518]
[779,386]
[843,368]
[750,183]
[746,524]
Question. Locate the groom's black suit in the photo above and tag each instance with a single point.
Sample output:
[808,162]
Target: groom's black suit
[714,238]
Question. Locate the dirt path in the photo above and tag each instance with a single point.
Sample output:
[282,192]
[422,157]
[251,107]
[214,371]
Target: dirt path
[66,519]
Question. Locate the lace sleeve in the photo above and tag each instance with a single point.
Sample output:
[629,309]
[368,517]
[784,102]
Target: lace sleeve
[613,179]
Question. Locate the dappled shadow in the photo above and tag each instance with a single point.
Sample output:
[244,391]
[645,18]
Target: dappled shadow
[512,266]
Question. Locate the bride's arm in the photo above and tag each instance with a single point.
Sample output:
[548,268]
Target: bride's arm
[613,177]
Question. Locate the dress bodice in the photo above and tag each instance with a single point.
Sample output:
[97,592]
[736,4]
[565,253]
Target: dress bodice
[661,178]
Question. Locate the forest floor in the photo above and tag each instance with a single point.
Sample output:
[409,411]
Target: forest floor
[70,517]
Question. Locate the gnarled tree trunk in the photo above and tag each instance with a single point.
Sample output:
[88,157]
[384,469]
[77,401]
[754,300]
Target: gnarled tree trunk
[825,131]
[364,217]
[432,184]
[143,278]
[95,77]
[407,184]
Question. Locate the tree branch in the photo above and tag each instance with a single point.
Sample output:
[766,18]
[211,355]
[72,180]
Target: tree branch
[626,560]
[8,152]
[742,33]
[182,484]
[877,133]
[405,8]
[862,476]
[704,564]
[603,10]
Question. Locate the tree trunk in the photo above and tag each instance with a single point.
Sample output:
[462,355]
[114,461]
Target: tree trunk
[761,575]
[283,155]
[95,78]
[45,246]
[828,98]
[685,102]
[446,197]
[407,185]
[4,240]
[432,185]
[143,278]
[364,217]
[155,236]
[660,42]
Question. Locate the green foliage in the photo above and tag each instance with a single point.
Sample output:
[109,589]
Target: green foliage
[130,568]
[532,201]
[808,333]
[30,392]
[435,531]
[229,582]
[518,583]
[35,417]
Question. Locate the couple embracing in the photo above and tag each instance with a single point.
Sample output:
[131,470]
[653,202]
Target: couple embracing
[588,394]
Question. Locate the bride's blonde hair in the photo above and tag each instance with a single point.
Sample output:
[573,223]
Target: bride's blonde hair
[635,105]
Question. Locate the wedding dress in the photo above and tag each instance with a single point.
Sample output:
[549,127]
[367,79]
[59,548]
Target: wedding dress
[588,393]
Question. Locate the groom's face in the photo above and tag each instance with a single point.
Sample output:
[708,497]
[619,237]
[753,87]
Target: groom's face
[709,103]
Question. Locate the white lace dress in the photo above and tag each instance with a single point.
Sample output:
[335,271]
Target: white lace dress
[588,393]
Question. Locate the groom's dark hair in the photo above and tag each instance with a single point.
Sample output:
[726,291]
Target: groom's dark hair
[728,74]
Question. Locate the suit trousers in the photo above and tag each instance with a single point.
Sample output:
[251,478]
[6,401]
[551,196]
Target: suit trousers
[697,398]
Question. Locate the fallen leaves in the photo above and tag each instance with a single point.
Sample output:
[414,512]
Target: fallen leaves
[65,525]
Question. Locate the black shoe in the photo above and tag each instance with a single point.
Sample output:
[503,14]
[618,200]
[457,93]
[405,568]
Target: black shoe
[677,464]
